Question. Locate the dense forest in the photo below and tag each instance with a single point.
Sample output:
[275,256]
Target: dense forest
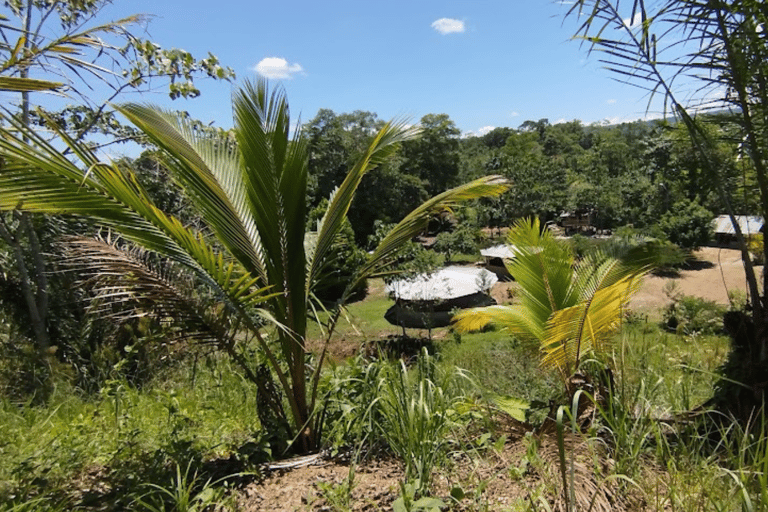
[644,175]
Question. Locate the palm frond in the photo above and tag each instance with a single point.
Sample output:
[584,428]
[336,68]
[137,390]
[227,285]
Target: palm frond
[417,220]
[568,308]
[37,178]
[17,84]
[543,267]
[207,166]
[588,326]
[380,148]
[516,320]
[274,169]
[127,283]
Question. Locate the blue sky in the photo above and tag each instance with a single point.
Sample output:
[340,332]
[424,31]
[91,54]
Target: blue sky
[484,63]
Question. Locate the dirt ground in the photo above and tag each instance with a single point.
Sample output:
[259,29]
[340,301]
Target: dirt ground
[713,274]
[492,482]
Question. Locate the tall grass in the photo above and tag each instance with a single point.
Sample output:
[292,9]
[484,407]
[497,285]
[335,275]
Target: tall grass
[114,442]
[417,414]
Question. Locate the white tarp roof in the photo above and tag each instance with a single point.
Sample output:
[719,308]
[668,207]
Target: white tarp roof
[749,225]
[445,284]
[502,251]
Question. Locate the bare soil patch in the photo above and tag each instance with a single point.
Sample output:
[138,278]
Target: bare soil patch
[712,275]
[486,479]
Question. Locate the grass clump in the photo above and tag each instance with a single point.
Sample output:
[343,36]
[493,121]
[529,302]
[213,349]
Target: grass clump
[417,412]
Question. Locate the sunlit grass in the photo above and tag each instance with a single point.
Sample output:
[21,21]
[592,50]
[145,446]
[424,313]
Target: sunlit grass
[176,420]
[681,369]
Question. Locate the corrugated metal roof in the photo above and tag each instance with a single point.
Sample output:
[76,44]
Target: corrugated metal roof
[748,224]
[447,283]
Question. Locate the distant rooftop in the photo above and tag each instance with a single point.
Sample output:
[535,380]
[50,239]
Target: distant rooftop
[749,225]
[502,251]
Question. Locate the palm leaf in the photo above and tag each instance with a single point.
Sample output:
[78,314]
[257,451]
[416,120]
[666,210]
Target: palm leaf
[415,222]
[567,308]
[207,167]
[543,267]
[588,326]
[37,178]
[17,84]
[128,283]
[516,320]
[380,148]
[274,169]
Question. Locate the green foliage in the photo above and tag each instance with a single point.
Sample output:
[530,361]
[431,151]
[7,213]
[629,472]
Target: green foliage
[61,29]
[496,362]
[568,308]
[725,69]
[461,240]
[755,245]
[665,255]
[412,259]
[335,142]
[693,315]
[408,502]
[417,413]
[346,260]
[126,438]
[688,225]
[433,157]
[186,493]
[253,264]
[93,63]
[349,395]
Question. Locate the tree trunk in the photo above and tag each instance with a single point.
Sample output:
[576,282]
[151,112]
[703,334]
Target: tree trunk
[36,300]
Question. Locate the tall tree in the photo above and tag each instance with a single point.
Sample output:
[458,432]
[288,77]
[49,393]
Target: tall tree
[434,157]
[335,142]
[62,46]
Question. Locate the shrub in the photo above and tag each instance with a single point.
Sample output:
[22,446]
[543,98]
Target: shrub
[687,224]
[693,315]
[416,414]
[462,240]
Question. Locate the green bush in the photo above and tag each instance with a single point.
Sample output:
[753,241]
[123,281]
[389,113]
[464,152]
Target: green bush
[462,240]
[693,315]
[687,224]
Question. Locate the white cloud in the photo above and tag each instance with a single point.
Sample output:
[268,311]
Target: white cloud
[634,21]
[479,132]
[514,114]
[485,129]
[611,102]
[277,68]
[448,26]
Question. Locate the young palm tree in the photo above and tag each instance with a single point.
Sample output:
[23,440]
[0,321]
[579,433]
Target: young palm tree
[255,259]
[568,308]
